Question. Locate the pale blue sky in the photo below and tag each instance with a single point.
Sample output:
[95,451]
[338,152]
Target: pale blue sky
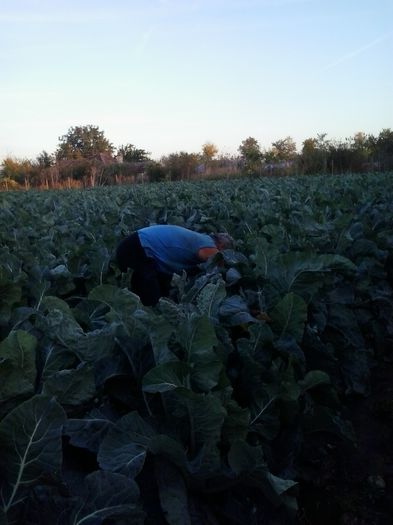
[169,75]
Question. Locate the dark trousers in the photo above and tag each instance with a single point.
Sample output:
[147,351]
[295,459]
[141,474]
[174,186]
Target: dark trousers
[146,281]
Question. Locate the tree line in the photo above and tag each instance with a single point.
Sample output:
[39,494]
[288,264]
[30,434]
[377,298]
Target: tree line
[85,157]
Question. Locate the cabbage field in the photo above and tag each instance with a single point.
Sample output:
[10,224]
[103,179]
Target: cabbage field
[236,400]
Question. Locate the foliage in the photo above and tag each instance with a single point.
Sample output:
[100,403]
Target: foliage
[44,160]
[15,169]
[8,184]
[155,172]
[210,407]
[84,158]
[209,151]
[83,142]
[355,154]
[283,149]
[382,148]
[251,153]
[180,166]
[131,153]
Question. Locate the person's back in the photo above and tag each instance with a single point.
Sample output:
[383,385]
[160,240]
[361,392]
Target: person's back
[156,252]
[173,247]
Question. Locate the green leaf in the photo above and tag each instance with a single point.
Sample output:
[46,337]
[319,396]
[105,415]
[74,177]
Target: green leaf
[169,448]
[160,331]
[314,378]
[236,423]
[205,374]
[88,432]
[249,463]
[301,272]
[107,496]
[172,492]
[59,323]
[54,358]
[21,315]
[244,458]
[234,311]
[118,454]
[289,316]
[50,302]
[232,276]
[260,336]
[232,258]
[268,423]
[197,336]
[30,444]
[206,416]
[288,389]
[264,257]
[10,294]
[124,448]
[280,485]
[171,311]
[207,463]
[210,297]
[165,377]
[71,387]
[59,272]
[324,419]
[96,344]
[17,365]
[121,301]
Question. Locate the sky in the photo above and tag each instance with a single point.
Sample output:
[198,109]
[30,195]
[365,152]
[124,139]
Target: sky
[171,75]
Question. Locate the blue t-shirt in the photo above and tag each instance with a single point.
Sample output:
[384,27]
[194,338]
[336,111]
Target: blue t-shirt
[174,248]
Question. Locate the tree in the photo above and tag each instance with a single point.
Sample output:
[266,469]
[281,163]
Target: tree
[16,169]
[284,149]
[315,154]
[360,140]
[360,151]
[251,154]
[311,156]
[132,154]
[384,148]
[209,151]
[44,160]
[83,142]
[324,145]
[155,171]
[180,165]
[342,157]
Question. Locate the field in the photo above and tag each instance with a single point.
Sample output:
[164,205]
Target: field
[259,392]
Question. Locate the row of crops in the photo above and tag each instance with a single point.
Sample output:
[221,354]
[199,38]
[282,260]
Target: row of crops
[220,403]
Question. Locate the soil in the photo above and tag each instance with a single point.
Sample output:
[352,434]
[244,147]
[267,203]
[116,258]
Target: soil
[354,485]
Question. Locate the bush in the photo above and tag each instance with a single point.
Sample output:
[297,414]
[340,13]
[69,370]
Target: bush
[8,184]
[156,172]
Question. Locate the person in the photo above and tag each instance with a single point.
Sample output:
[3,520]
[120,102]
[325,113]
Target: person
[155,253]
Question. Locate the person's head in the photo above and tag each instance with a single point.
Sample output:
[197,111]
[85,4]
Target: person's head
[223,241]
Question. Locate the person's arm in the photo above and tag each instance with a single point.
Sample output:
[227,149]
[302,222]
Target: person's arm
[205,253]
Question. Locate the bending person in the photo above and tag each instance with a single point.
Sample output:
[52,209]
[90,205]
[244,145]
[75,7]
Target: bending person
[156,252]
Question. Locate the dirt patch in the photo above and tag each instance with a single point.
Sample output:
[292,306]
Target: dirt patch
[354,485]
